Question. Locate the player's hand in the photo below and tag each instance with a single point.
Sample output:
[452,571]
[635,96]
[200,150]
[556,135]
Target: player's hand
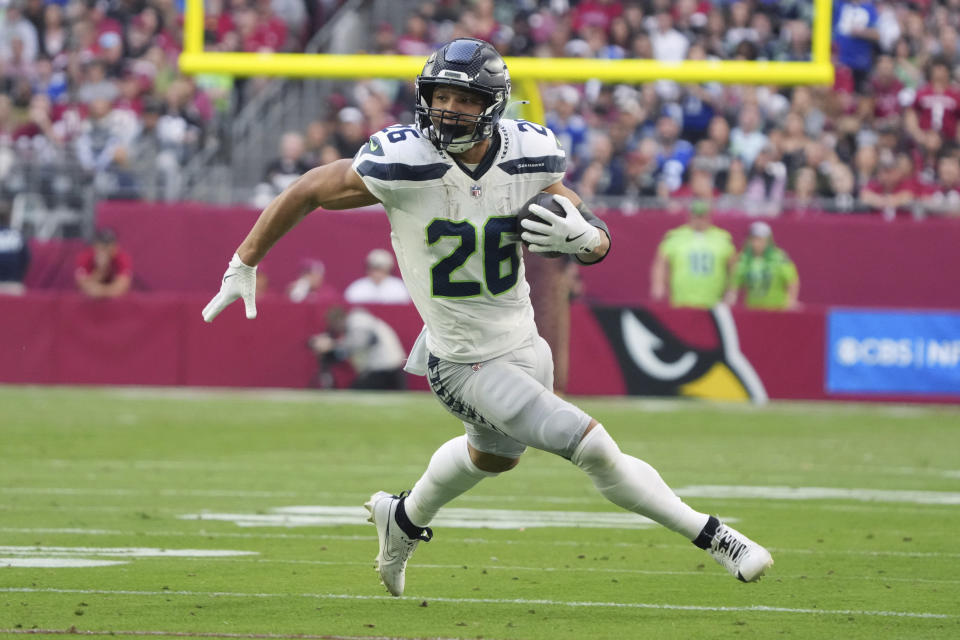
[239,281]
[571,234]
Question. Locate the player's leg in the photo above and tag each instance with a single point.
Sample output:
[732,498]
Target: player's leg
[457,466]
[548,422]
[636,486]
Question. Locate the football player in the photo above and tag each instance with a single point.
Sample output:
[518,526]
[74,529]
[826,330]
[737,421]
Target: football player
[452,185]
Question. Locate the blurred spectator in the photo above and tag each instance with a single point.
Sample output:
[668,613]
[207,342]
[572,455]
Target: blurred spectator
[843,197]
[414,41]
[904,63]
[14,255]
[764,272]
[18,37]
[936,106]
[891,190]
[855,32]
[766,183]
[282,171]
[673,154]
[944,197]
[315,139]
[747,139]
[104,270]
[310,286]
[884,91]
[565,120]
[53,33]
[100,151]
[606,173]
[155,154]
[368,343]
[350,133]
[803,198]
[96,85]
[378,286]
[693,262]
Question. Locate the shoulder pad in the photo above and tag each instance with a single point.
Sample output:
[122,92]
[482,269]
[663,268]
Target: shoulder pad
[530,148]
[399,152]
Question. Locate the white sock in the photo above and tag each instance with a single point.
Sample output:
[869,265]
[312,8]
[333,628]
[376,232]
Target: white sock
[450,473]
[634,485]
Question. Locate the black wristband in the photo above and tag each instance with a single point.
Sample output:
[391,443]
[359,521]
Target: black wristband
[592,218]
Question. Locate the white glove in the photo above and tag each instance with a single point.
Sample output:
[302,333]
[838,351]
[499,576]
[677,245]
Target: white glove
[572,234]
[239,281]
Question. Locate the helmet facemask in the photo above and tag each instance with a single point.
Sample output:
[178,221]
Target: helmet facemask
[467,65]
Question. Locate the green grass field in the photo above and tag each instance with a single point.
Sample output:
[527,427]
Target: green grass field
[156,493]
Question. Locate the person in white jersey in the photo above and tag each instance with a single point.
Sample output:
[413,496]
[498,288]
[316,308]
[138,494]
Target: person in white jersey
[378,286]
[452,185]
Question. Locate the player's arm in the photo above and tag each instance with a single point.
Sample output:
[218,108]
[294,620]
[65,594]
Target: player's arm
[579,219]
[332,186]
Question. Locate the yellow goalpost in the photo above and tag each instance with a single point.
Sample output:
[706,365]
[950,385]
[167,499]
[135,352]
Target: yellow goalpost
[525,72]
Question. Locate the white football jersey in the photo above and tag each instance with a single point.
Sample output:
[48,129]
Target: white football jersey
[454,232]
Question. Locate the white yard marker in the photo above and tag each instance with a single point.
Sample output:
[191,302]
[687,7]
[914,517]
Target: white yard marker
[496,601]
[56,563]
[80,557]
[322,516]
[124,552]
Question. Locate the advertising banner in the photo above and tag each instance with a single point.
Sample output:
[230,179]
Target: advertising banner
[893,352]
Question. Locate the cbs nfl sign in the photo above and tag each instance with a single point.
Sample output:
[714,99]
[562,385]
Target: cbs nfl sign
[893,352]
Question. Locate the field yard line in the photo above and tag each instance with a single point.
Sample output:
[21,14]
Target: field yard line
[643,572]
[194,634]
[522,601]
[387,399]
[203,533]
[692,491]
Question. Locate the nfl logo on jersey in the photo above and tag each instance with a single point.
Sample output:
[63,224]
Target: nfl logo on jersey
[476,191]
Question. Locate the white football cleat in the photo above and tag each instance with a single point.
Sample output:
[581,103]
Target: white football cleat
[396,547]
[742,557]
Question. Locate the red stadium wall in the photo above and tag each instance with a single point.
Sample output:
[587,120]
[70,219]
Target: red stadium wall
[161,340]
[843,260]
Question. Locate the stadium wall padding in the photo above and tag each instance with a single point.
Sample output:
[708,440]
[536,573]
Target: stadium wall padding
[160,339]
[851,260]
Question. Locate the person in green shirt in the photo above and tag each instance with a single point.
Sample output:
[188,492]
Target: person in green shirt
[694,261]
[765,272]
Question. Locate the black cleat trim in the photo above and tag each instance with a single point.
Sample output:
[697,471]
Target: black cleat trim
[707,533]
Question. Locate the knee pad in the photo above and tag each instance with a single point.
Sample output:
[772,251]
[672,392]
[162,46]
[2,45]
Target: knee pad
[597,452]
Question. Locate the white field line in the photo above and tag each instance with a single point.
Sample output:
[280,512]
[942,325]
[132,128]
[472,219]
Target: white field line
[603,570]
[924,511]
[123,552]
[948,412]
[195,634]
[693,491]
[68,557]
[206,465]
[56,563]
[584,543]
[652,405]
[492,601]
[303,516]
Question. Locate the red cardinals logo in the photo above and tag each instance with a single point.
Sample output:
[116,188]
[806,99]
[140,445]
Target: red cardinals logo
[697,355]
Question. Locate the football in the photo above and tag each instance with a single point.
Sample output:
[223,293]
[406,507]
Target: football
[546,201]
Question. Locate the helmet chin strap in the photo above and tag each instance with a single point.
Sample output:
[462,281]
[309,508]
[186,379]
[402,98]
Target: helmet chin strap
[447,136]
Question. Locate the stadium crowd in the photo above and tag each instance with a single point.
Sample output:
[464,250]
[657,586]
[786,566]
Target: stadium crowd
[93,84]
